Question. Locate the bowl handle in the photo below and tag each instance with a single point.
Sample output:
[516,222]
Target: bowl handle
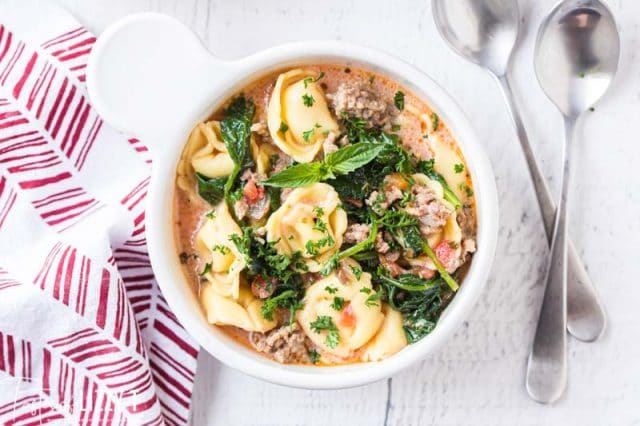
[148,73]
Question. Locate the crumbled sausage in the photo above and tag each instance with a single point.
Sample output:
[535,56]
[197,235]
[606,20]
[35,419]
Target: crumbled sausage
[356,233]
[284,344]
[430,211]
[358,101]
[329,143]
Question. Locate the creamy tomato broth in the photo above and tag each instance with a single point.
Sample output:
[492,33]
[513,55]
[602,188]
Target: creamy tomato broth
[324,215]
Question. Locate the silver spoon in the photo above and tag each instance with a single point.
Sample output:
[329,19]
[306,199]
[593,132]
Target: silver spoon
[576,58]
[485,32]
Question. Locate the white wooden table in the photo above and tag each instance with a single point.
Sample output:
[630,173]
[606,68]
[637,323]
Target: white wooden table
[478,377]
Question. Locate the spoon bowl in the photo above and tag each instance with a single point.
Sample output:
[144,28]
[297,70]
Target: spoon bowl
[483,31]
[577,54]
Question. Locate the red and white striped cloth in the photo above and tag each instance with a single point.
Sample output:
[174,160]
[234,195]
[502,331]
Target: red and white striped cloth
[85,334]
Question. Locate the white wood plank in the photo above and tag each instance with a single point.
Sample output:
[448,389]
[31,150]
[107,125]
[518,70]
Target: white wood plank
[478,377]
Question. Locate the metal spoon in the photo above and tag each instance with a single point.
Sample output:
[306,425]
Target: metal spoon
[485,32]
[576,59]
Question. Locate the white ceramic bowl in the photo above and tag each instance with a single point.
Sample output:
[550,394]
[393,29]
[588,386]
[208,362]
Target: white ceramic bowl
[148,75]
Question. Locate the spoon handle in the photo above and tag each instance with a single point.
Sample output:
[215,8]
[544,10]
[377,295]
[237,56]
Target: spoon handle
[586,316]
[547,366]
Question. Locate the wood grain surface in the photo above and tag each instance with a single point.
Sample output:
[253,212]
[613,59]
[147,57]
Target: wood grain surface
[477,379]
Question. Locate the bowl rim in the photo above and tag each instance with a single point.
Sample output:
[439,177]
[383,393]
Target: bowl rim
[162,249]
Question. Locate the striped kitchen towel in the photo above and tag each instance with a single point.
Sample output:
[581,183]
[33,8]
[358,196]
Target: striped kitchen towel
[85,334]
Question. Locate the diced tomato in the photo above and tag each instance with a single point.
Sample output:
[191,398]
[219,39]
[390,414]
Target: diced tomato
[261,289]
[444,252]
[347,317]
[252,192]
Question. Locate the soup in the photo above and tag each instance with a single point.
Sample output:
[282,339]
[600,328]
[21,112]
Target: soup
[324,215]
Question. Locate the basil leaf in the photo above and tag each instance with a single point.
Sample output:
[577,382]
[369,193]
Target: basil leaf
[343,161]
[297,175]
[211,189]
[352,157]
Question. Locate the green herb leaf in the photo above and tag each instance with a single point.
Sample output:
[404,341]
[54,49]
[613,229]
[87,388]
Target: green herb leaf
[352,157]
[398,100]
[310,80]
[314,356]
[206,270]
[211,189]
[435,121]
[331,290]
[296,176]
[341,162]
[308,100]
[283,127]
[324,322]
[458,168]
[235,129]
[338,303]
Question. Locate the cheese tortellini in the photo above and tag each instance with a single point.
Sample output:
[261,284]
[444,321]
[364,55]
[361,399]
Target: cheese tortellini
[389,340]
[310,222]
[298,116]
[357,322]
[243,312]
[222,259]
[446,157]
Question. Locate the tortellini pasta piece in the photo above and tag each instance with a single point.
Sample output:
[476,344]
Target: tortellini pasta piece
[298,116]
[261,153]
[310,222]
[357,322]
[223,260]
[204,153]
[389,340]
[244,312]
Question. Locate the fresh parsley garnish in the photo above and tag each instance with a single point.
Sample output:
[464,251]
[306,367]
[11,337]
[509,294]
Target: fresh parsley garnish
[372,300]
[206,270]
[357,272]
[435,121]
[224,250]
[398,100]
[310,80]
[458,168]
[324,322]
[308,100]
[338,303]
[314,356]
[283,127]
[331,290]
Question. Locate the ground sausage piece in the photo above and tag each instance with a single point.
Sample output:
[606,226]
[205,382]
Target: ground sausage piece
[357,100]
[356,233]
[430,211]
[381,245]
[329,144]
[284,344]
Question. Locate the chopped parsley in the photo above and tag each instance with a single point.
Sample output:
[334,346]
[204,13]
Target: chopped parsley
[467,189]
[458,168]
[206,270]
[307,81]
[435,121]
[372,300]
[314,356]
[308,100]
[398,100]
[338,303]
[306,135]
[356,271]
[395,127]
[211,214]
[283,127]
[224,250]
[365,290]
[324,322]
[331,290]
